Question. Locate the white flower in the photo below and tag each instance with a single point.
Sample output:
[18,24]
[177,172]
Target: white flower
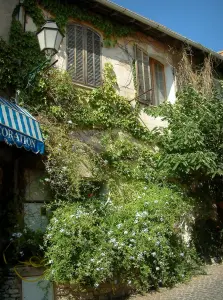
[119,226]
[50,261]
[146,203]
[156,201]
[47,179]
[145,230]
[157,243]
[69,122]
[92,260]
[153,254]
[102,254]
[144,214]
[182,254]
[21,253]
[17,234]
[136,221]
[145,188]
[131,257]
[96,285]
[157,268]
[126,232]
[161,219]
[62,230]
[140,256]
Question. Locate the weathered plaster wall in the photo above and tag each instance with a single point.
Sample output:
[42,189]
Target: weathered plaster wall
[121,56]
[6,10]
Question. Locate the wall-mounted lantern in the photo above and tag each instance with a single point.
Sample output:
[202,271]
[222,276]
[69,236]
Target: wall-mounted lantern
[50,38]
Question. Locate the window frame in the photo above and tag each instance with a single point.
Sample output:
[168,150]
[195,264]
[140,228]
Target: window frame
[143,101]
[152,62]
[152,78]
[84,55]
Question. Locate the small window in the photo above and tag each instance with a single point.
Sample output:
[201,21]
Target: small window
[158,82]
[150,78]
[143,75]
[84,55]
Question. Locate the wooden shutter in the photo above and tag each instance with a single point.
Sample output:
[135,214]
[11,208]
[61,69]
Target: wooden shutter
[70,50]
[93,54]
[84,55]
[143,77]
[79,54]
[97,59]
[75,53]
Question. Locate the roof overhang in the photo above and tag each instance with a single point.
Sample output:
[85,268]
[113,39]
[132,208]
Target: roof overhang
[147,26]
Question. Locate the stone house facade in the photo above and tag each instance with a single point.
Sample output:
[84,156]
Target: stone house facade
[144,65]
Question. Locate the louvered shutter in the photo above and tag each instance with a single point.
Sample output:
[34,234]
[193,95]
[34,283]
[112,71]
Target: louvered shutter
[75,52]
[143,78]
[97,59]
[90,57]
[84,55]
[70,50]
[79,54]
[93,58]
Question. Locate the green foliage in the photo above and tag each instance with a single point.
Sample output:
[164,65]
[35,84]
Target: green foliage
[132,237]
[34,11]
[124,142]
[18,57]
[129,157]
[69,162]
[24,244]
[191,145]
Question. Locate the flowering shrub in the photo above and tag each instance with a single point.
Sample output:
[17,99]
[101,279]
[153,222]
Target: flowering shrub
[135,240]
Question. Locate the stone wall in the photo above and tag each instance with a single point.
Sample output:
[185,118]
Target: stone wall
[10,286]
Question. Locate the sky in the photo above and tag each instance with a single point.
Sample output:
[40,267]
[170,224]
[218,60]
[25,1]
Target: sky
[198,20]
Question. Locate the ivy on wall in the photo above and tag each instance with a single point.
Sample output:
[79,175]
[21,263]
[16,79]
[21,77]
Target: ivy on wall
[61,12]
[18,58]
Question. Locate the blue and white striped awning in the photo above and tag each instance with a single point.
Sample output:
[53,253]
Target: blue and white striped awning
[18,127]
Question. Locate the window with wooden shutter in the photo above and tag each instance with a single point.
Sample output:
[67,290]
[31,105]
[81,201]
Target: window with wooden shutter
[158,81]
[84,55]
[143,75]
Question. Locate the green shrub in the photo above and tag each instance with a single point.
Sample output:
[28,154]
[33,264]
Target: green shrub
[132,237]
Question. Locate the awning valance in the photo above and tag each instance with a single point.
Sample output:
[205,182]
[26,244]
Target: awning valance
[18,127]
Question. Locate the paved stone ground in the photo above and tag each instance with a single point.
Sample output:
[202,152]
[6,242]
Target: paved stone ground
[202,287]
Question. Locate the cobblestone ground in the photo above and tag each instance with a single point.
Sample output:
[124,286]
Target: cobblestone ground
[203,287]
